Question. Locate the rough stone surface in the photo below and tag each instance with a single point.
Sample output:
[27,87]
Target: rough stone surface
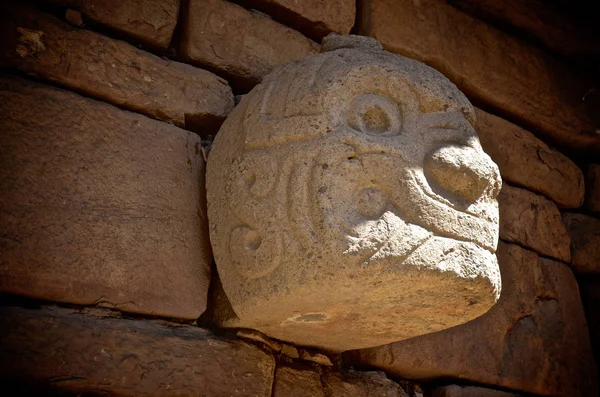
[260,337]
[315,18]
[315,357]
[533,221]
[304,382]
[99,205]
[488,65]
[585,242]
[526,161]
[59,350]
[534,340]
[150,22]
[314,244]
[593,188]
[469,391]
[112,71]
[237,43]
[74,17]
[539,20]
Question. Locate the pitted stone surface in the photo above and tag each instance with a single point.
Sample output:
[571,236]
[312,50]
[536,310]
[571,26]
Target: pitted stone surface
[99,205]
[351,204]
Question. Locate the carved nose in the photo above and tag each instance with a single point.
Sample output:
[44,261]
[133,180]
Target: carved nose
[462,171]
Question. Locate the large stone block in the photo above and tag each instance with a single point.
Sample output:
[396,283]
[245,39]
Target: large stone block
[593,188]
[534,340]
[533,221]
[350,202]
[151,22]
[315,18]
[99,205]
[547,22]
[526,161]
[112,71]
[490,66]
[306,382]
[585,242]
[62,351]
[237,43]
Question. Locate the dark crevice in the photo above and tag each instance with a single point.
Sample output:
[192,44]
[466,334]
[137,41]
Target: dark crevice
[173,48]
[357,28]
[92,310]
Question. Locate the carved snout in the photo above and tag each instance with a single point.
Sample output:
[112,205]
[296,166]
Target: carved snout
[462,171]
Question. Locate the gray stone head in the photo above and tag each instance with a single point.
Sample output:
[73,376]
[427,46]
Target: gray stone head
[350,203]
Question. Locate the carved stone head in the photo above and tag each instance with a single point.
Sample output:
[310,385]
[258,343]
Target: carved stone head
[351,204]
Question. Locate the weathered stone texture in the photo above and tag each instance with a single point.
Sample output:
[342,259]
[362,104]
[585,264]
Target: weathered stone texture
[99,205]
[593,188]
[468,391]
[237,43]
[533,221]
[585,242]
[150,22]
[526,161]
[315,18]
[62,351]
[534,340]
[314,244]
[112,70]
[489,65]
[539,20]
[304,382]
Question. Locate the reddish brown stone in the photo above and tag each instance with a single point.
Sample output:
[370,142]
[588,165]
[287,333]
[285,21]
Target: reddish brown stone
[235,42]
[151,22]
[99,205]
[526,161]
[585,242]
[490,66]
[534,340]
[533,221]
[74,17]
[113,71]
[593,188]
[539,20]
[62,351]
[306,382]
[315,18]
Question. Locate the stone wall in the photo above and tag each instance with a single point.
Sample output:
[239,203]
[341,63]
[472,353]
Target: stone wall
[109,109]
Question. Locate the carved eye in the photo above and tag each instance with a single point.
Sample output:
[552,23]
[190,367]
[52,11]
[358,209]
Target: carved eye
[375,115]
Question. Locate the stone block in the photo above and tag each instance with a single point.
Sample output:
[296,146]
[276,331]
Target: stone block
[112,71]
[61,351]
[306,382]
[535,340]
[593,188]
[317,245]
[526,161]
[238,44]
[540,21]
[469,391]
[585,242]
[100,205]
[533,221]
[314,18]
[492,67]
[150,22]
